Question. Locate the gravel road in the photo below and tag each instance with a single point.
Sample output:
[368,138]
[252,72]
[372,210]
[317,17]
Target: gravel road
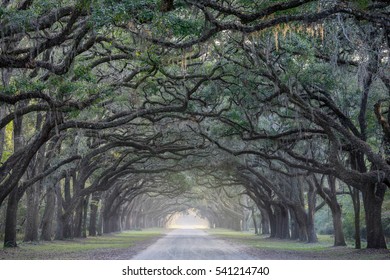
[192,244]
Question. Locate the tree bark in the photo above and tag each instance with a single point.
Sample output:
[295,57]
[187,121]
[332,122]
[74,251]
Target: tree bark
[94,206]
[272,225]
[32,215]
[294,226]
[107,225]
[311,198]
[11,220]
[60,226]
[12,204]
[339,239]
[373,199]
[85,216]
[356,208]
[330,198]
[2,133]
[34,191]
[78,219]
[67,218]
[48,214]
[100,223]
[254,220]
[67,222]
[265,222]
[301,220]
[282,222]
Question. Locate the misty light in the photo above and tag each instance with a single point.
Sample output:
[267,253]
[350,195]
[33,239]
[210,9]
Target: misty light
[187,220]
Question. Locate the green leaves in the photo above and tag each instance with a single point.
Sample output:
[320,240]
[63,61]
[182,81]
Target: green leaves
[109,12]
[84,73]
[65,88]
[180,24]
[84,5]
[22,84]
[362,4]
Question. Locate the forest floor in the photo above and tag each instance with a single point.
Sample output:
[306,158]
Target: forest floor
[132,244]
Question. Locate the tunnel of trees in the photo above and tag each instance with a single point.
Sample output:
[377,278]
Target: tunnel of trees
[117,114]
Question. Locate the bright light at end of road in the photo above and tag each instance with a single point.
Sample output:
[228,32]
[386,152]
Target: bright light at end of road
[188,220]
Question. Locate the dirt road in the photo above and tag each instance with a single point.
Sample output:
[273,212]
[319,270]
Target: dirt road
[192,244]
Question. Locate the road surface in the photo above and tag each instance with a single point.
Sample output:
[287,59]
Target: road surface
[192,244]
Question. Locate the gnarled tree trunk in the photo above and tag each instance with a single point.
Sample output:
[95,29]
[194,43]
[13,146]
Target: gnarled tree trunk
[12,204]
[373,199]
[339,239]
[48,214]
[311,198]
[94,206]
[11,220]
[32,215]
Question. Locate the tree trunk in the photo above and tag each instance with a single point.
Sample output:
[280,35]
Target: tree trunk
[373,195]
[94,206]
[60,226]
[339,239]
[311,197]
[272,225]
[357,163]
[245,225]
[100,224]
[282,225]
[124,220]
[285,223]
[117,227]
[301,220]
[356,208]
[106,223]
[32,215]
[48,215]
[254,221]
[12,204]
[265,222]
[85,216]
[78,219]
[67,222]
[2,132]
[11,220]
[294,226]
[126,217]
[373,198]
[329,195]
[34,192]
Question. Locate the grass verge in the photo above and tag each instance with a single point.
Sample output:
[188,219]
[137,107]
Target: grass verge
[266,247]
[107,246]
[324,241]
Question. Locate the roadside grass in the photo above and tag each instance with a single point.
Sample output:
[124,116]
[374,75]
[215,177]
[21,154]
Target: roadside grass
[54,249]
[256,241]
[323,249]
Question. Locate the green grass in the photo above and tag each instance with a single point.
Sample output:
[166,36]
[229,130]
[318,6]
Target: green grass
[323,249]
[324,241]
[45,250]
